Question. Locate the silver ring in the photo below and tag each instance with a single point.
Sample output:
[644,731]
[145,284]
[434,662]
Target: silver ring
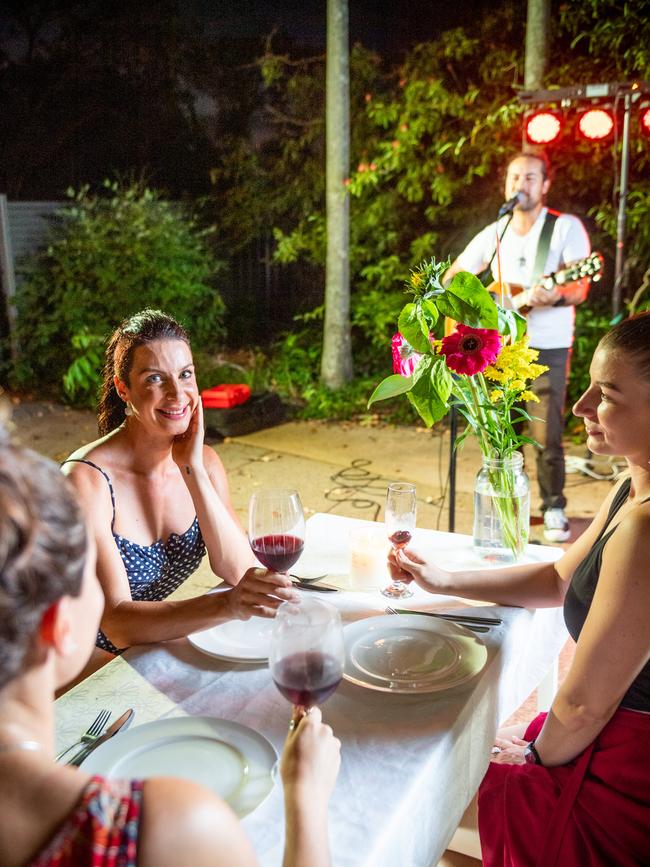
[495,750]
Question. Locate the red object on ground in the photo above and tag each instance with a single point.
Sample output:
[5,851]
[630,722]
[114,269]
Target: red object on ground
[224,396]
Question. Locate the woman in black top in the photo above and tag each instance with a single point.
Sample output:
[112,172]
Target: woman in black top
[574,786]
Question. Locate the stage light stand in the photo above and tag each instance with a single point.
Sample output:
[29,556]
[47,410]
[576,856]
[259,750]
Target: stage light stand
[631,91]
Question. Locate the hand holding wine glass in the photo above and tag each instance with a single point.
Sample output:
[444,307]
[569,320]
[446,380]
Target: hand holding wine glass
[307,653]
[399,516]
[276,528]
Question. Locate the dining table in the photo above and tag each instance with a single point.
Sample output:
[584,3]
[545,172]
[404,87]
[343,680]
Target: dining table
[410,763]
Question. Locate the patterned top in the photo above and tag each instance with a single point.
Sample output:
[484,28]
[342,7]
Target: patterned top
[154,571]
[102,830]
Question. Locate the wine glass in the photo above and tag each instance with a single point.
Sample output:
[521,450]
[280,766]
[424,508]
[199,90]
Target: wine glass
[307,653]
[276,528]
[399,515]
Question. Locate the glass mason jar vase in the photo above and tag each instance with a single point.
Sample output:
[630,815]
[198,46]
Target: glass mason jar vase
[501,509]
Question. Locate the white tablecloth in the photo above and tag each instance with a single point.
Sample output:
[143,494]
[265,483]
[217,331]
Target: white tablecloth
[410,764]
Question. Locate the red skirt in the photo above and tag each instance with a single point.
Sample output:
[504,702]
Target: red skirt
[593,811]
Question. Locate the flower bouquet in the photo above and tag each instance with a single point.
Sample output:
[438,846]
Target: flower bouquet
[483,367]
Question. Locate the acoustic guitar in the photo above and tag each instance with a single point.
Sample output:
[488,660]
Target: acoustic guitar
[516,297]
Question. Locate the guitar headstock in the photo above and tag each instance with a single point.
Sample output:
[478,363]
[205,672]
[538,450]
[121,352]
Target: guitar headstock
[591,266]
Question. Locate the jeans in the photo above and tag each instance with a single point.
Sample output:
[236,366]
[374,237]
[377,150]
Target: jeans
[550,388]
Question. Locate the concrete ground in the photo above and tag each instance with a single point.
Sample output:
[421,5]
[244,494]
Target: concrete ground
[341,467]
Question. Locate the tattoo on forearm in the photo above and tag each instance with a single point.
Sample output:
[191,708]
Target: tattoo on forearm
[188,471]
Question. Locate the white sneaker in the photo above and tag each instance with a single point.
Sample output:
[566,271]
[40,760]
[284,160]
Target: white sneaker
[556,525]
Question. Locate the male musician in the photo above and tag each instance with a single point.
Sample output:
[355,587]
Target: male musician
[551,317]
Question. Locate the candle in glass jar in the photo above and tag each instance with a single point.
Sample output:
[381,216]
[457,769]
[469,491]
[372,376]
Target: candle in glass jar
[368,554]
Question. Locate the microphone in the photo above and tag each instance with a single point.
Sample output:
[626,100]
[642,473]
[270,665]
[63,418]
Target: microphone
[509,206]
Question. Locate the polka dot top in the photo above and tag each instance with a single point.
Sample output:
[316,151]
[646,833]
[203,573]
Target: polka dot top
[154,571]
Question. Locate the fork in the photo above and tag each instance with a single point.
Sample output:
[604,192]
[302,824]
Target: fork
[468,624]
[91,734]
[308,580]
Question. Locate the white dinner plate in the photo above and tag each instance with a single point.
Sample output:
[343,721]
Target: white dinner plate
[230,759]
[409,653]
[239,640]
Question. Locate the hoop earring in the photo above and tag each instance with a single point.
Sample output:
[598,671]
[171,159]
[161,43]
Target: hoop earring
[128,409]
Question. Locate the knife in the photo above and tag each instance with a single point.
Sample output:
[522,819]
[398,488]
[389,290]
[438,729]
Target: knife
[466,618]
[308,585]
[120,723]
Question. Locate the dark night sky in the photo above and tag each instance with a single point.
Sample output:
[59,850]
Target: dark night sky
[387,26]
[161,141]
[384,25]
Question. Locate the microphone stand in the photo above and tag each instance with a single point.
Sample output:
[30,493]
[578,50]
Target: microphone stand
[488,268]
[453,431]
[453,414]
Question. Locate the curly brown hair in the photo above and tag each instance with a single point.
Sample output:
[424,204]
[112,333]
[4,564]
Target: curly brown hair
[43,546]
[141,328]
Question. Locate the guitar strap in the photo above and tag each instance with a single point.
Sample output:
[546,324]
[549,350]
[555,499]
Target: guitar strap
[543,245]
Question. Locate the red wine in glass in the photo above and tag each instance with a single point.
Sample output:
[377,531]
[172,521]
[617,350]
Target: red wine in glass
[277,551]
[276,528]
[307,678]
[307,652]
[399,515]
[400,538]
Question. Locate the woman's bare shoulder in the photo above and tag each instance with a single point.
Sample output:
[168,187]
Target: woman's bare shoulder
[184,823]
[103,452]
[211,457]
[633,533]
[213,463]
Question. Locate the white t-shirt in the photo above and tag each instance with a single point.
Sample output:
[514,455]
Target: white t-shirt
[548,327]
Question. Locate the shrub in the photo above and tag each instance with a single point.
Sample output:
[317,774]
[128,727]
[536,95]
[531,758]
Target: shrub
[109,256]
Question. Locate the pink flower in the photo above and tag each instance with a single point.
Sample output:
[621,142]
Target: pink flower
[471,350]
[405,358]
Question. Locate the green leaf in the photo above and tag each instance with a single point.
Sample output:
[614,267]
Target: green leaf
[426,401]
[391,387]
[441,379]
[423,368]
[410,327]
[429,393]
[467,301]
[430,310]
[511,324]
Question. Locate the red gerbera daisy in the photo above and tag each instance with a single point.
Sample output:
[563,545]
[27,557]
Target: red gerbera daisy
[471,350]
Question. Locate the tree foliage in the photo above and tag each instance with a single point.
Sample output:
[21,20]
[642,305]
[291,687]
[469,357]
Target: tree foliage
[110,255]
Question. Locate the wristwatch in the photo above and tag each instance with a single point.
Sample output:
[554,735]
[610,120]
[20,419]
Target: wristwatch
[531,756]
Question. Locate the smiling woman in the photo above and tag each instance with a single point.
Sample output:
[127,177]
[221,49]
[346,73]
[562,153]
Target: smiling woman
[157,498]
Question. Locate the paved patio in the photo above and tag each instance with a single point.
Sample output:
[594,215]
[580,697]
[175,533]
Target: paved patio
[341,468]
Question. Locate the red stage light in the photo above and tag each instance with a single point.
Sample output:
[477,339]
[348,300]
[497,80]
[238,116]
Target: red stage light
[644,120]
[543,127]
[595,124]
